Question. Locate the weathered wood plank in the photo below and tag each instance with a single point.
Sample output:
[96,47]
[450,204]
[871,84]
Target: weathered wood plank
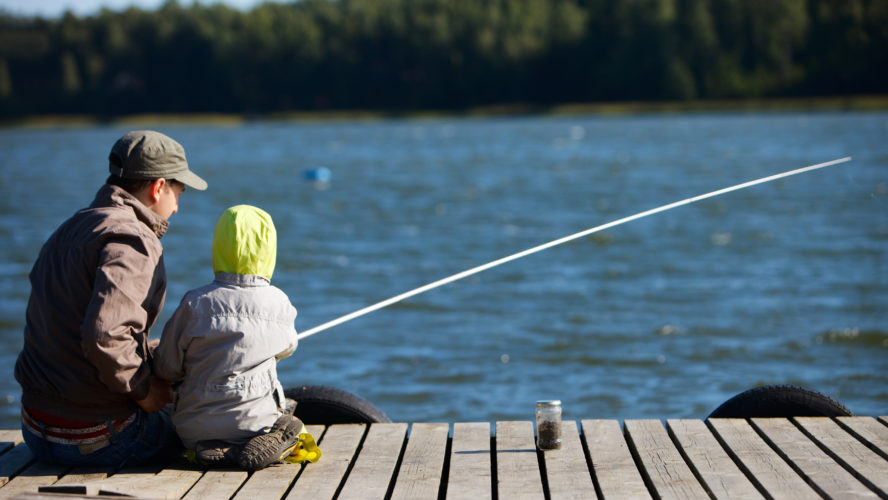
[661,462]
[567,472]
[79,481]
[517,467]
[843,457]
[375,463]
[58,496]
[866,465]
[217,484]
[85,474]
[765,466]
[9,438]
[828,476]
[14,461]
[869,430]
[275,480]
[34,476]
[270,482]
[614,467]
[321,480]
[720,475]
[421,469]
[470,468]
[171,482]
[884,419]
[125,482]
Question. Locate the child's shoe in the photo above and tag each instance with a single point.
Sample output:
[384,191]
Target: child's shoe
[289,406]
[217,453]
[266,449]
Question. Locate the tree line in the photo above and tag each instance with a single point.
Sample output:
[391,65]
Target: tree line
[403,55]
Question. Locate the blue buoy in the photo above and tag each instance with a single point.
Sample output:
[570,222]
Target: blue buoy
[319,174]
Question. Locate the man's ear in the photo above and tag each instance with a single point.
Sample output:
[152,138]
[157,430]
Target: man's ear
[155,189]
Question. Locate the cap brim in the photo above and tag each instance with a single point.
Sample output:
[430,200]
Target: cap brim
[191,180]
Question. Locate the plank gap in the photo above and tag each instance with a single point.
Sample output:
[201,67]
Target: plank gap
[351,462]
[639,464]
[321,479]
[469,475]
[836,455]
[398,463]
[612,462]
[494,478]
[737,460]
[445,472]
[668,470]
[217,482]
[518,471]
[193,485]
[832,454]
[375,464]
[243,483]
[318,440]
[850,425]
[544,474]
[783,455]
[687,460]
[589,464]
[718,474]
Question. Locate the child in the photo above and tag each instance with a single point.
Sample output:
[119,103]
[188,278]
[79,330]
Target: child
[222,345]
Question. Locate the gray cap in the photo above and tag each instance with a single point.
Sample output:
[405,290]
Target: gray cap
[146,154]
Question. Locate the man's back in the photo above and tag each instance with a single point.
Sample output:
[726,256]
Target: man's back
[80,316]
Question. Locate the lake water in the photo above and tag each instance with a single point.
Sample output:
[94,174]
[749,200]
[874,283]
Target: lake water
[664,317]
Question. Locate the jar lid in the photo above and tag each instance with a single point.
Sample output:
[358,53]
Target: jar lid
[549,402]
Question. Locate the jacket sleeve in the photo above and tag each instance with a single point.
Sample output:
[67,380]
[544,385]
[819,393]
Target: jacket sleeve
[114,336]
[169,357]
[291,341]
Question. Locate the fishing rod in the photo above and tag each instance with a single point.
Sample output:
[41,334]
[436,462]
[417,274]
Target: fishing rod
[559,241]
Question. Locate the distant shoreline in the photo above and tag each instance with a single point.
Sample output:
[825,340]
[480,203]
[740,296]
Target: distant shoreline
[837,103]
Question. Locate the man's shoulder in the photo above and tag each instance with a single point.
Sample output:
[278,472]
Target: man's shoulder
[94,223]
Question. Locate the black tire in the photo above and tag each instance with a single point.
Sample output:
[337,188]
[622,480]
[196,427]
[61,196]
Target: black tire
[780,401]
[325,405]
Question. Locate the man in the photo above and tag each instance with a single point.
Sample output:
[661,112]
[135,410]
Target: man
[99,282]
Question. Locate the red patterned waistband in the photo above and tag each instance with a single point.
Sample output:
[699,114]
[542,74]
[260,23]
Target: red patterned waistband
[83,433]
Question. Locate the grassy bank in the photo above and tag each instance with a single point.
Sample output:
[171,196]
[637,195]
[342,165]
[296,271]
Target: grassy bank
[839,103]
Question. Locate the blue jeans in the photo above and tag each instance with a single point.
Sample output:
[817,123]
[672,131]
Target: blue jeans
[150,438]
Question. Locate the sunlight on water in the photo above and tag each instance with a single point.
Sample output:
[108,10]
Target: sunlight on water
[664,317]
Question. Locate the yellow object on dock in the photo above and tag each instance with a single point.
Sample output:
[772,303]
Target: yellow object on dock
[306,450]
[802,457]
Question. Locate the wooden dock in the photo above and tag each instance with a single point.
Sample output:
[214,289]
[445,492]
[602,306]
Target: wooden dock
[803,457]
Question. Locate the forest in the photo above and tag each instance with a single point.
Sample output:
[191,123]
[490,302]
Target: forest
[448,55]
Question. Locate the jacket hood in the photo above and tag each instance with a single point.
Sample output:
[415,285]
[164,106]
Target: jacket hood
[245,242]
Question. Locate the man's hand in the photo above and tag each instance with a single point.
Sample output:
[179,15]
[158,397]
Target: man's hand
[159,395]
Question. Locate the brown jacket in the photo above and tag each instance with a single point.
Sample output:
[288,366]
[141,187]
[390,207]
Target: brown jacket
[96,288]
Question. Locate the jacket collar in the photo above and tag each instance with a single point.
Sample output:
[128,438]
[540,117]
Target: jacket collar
[114,196]
[241,279]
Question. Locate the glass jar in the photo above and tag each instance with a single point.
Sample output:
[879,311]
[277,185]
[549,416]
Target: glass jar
[548,422]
